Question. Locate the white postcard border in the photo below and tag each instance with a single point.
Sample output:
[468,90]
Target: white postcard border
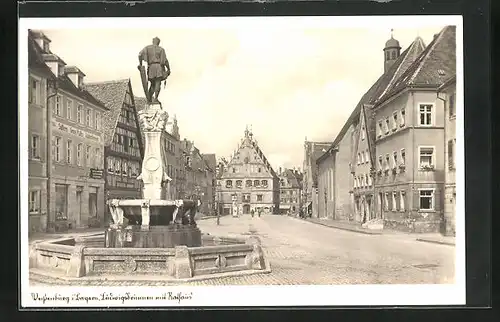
[345,295]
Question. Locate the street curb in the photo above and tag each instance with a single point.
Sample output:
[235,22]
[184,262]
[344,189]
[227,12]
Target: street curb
[435,242]
[341,228]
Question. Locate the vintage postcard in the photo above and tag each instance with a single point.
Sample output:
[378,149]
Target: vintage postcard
[242,161]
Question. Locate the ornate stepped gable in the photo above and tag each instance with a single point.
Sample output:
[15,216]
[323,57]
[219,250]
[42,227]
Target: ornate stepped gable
[247,158]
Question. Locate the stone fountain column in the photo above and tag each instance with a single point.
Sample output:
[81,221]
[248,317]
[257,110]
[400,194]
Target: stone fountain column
[153,120]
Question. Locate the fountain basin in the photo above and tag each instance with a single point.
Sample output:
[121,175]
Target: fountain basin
[81,258]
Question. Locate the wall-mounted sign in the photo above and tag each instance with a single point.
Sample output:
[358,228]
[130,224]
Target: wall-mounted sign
[72,130]
[96,173]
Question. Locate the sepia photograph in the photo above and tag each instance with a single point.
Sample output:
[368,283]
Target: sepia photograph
[229,161]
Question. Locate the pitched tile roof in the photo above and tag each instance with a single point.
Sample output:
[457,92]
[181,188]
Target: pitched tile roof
[140,103]
[35,59]
[315,151]
[435,65]
[112,93]
[67,85]
[292,177]
[210,160]
[383,83]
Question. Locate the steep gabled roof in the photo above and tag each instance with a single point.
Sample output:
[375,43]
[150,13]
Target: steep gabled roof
[383,83]
[210,160]
[316,151]
[435,65]
[290,175]
[140,103]
[112,93]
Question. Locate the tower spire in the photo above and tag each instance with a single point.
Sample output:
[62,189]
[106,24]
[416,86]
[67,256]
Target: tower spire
[392,33]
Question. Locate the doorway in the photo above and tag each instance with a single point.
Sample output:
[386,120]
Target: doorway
[79,191]
[246,208]
[370,211]
[61,202]
[92,202]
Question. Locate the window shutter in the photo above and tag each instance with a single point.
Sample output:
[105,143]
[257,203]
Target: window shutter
[438,202]
[416,200]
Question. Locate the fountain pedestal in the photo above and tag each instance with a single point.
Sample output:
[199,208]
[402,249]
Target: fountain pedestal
[156,221]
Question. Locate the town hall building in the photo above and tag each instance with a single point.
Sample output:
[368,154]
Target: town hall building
[248,183]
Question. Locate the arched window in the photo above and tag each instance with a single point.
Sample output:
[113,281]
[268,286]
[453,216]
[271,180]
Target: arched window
[229,184]
[248,183]
[239,183]
[256,183]
[264,183]
[387,55]
[393,54]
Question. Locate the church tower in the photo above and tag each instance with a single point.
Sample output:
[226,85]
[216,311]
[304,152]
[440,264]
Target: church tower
[392,51]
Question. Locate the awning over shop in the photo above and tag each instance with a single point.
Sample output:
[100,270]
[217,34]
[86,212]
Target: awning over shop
[286,207]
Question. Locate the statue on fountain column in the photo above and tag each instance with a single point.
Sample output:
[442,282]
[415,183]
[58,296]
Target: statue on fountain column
[158,69]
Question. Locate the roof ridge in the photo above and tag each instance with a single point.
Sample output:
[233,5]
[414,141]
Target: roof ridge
[108,81]
[421,62]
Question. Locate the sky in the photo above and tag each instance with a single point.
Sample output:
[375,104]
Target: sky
[287,83]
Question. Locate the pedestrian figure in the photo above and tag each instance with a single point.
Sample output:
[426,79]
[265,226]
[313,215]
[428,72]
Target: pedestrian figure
[252,213]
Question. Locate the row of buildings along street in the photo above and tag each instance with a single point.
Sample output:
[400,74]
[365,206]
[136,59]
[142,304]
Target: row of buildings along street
[392,165]
[86,146]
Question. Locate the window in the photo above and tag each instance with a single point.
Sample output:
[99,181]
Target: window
[393,55]
[395,159]
[402,118]
[35,144]
[386,201]
[57,109]
[69,152]
[87,117]
[451,154]
[79,151]
[403,156]
[234,170]
[386,125]
[111,164]
[246,197]
[239,183]
[260,170]
[395,121]
[34,91]
[362,157]
[34,201]
[125,168]
[57,149]
[69,109]
[402,197]
[451,105]
[427,199]
[359,158]
[394,203]
[380,129]
[79,113]
[97,121]
[264,183]
[248,183]
[259,197]
[387,162]
[256,183]
[425,114]
[87,155]
[380,162]
[229,184]
[363,133]
[426,157]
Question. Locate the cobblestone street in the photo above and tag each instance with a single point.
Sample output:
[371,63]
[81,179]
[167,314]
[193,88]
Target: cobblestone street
[301,252]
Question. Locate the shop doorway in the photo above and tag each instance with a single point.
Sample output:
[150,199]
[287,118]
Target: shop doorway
[93,202]
[61,202]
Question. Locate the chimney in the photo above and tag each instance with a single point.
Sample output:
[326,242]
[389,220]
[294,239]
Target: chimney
[42,40]
[75,75]
[55,64]
[280,170]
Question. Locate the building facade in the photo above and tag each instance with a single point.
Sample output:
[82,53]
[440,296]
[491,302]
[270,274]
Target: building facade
[41,91]
[394,138]
[124,148]
[290,191]
[310,192]
[248,183]
[447,92]
[410,138]
[75,186]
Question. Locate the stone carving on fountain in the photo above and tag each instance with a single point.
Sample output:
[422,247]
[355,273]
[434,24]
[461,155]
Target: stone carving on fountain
[153,221]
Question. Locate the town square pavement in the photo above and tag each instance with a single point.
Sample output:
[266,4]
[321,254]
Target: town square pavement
[302,252]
